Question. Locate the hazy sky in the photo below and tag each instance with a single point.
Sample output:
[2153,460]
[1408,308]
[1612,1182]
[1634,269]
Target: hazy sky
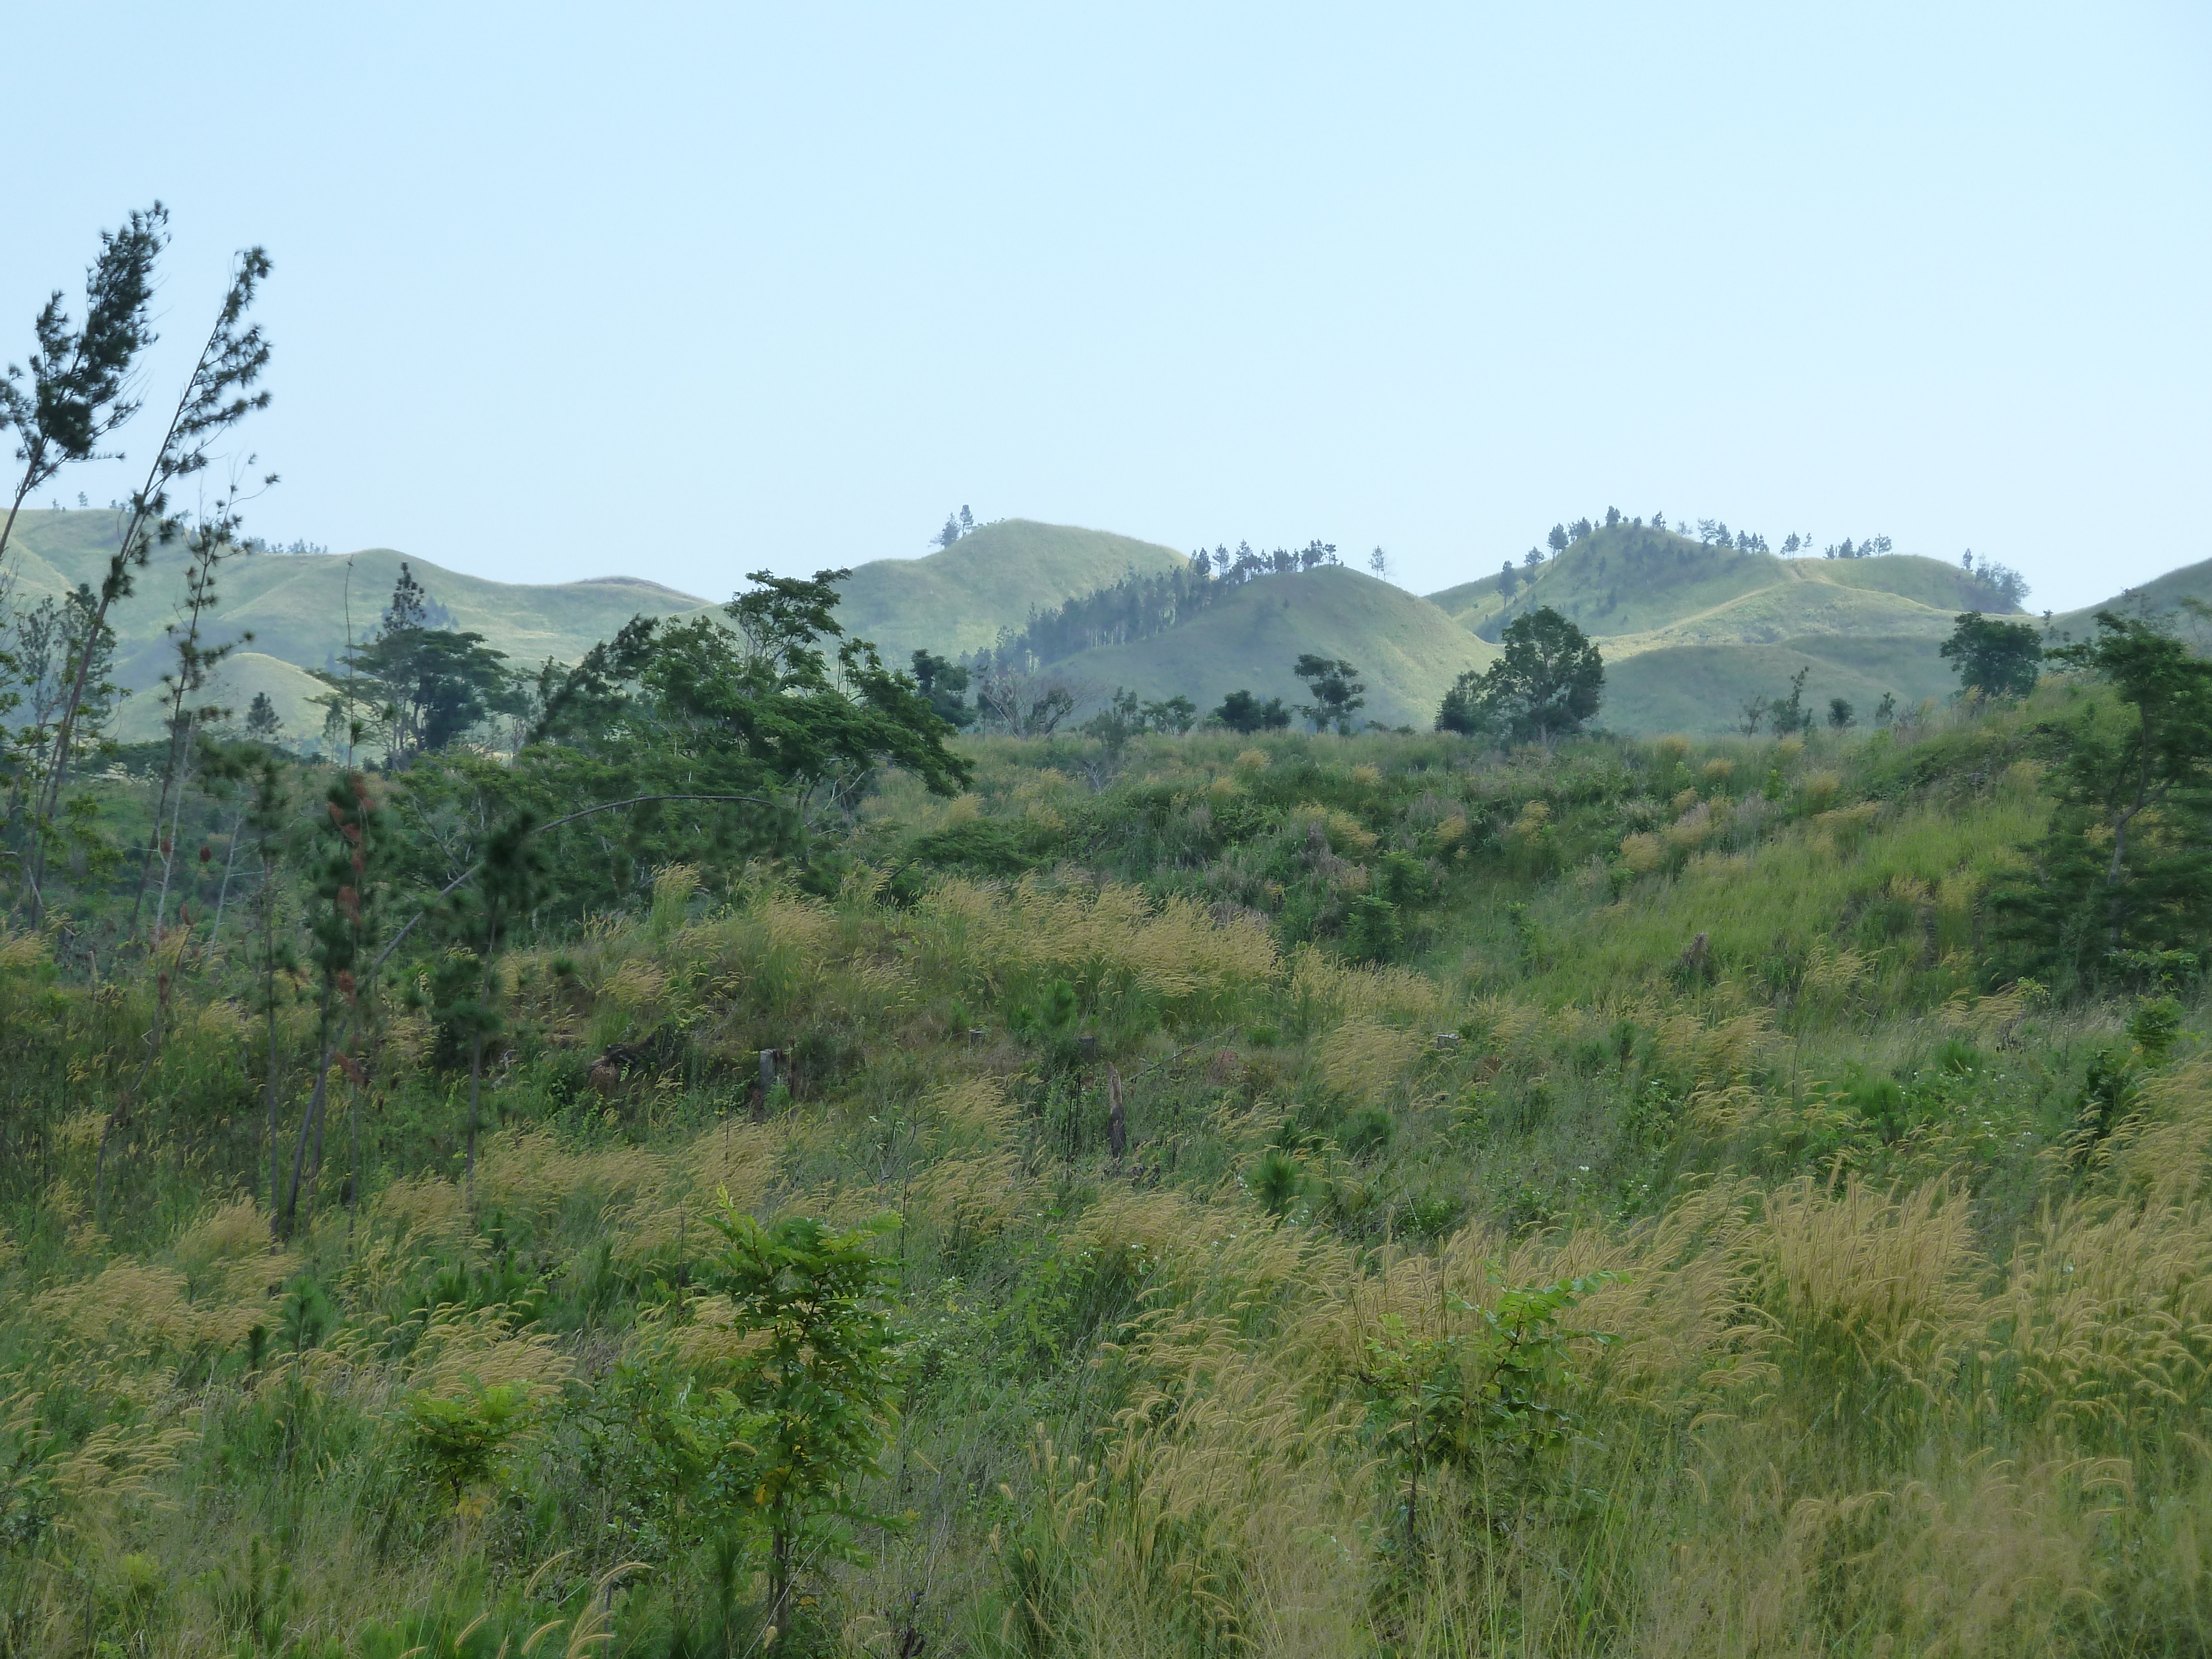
[680,291]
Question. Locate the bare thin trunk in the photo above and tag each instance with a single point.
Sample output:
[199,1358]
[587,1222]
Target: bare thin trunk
[223,893]
[308,1125]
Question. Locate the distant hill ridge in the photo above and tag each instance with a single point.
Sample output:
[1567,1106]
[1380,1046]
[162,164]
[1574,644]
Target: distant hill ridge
[1689,632]
[301,607]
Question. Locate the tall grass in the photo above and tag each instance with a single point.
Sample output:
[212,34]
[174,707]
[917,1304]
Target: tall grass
[1881,1350]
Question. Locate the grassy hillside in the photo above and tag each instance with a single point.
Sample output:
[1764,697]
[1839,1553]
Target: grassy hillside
[1634,581]
[300,608]
[288,686]
[1407,650]
[296,607]
[1697,690]
[1689,632]
[955,601]
[1471,604]
[1331,1199]
[2161,596]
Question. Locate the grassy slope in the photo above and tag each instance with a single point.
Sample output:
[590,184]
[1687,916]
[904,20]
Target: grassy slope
[1690,632]
[1470,604]
[1699,689]
[1408,651]
[956,601]
[2192,582]
[1823,1300]
[1633,581]
[295,607]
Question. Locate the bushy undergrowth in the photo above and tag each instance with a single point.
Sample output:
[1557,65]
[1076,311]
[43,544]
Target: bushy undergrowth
[1352,1196]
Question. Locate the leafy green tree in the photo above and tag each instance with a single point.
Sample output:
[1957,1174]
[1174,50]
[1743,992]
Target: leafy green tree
[943,683]
[815,1396]
[1998,658]
[1175,714]
[698,712]
[460,1438]
[1885,711]
[81,378]
[1841,714]
[431,685]
[950,533]
[1240,711]
[1558,540]
[1441,1402]
[263,723]
[1337,692]
[1793,716]
[2122,879]
[1509,579]
[1546,686]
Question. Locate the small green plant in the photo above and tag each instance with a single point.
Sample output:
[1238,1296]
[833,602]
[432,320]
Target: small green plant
[1277,1180]
[1367,1133]
[2153,1027]
[812,1404]
[462,1439]
[1438,1402]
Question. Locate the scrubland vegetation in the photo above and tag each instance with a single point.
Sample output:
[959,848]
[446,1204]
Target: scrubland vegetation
[1287,1196]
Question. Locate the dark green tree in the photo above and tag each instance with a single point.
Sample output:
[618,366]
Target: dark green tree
[1337,692]
[950,533]
[1793,716]
[1546,685]
[1996,658]
[263,724]
[81,378]
[1175,715]
[1559,539]
[943,683]
[759,708]
[1509,579]
[1841,714]
[2121,882]
[410,604]
[1240,711]
[430,685]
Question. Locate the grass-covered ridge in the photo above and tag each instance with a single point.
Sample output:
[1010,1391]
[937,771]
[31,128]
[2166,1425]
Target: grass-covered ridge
[1891,1332]
[299,607]
[1409,652]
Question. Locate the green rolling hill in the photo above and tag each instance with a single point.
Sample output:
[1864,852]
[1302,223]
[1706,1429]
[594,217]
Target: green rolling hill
[2159,597]
[1691,632]
[299,607]
[1408,650]
[955,601]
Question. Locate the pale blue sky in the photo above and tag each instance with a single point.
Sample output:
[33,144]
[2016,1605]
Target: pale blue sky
[680,291]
